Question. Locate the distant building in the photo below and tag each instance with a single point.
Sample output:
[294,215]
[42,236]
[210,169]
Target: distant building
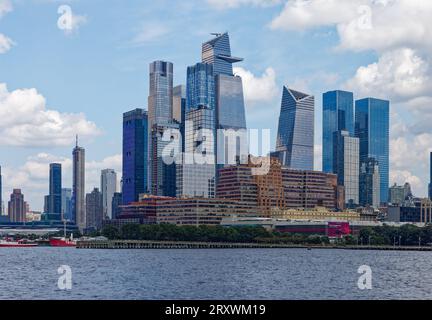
[116,205]
[67,204]
[430,177]
[53,202]
[295,139]
[370,183]
[78,189]
[281,188]
[17,207]
[396,194]
[135,155]
[182,211]
[315,214]
[346,165]
[372,127]
[94,210]
[338,115]
[108,188]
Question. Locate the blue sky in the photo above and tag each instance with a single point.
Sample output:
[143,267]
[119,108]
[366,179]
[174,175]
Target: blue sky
[100,69]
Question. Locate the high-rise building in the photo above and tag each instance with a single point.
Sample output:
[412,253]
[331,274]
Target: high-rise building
[160,119]
[179,103]
[54,205]
[200,88]
[160,100]
[135,155]
[396,195]
[230,107]
[370,186]
[372,121]
[94,210]
[196,178]
[78,188]
[66,198]
[338,115]
[295,139]
[163,171]
[17,207]
[108,188]
[346,165]
[116,203]
[430,177]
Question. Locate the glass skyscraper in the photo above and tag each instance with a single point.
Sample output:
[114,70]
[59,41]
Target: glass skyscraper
[295,139]
[78,188]
[200,88]
[230,107]
[160,100]
[369,183]
[135,155]
[372,117]
[346,165]
[338,115]
[55,189]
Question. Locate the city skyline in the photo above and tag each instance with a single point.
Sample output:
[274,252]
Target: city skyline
[26,162]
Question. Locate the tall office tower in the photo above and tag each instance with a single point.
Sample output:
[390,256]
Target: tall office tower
[66,198]
[338,115]
[230,107]
[163,169]
[160,114]
[55,189]
[78,188]
[94,210]
[370,186]
[17,207]
[346,164]
[160,100]
[116,203]
[295,139]
[430,177]
[196,177]
[179,103]
[179,109]
[135,155]
[372,128]
[108,188]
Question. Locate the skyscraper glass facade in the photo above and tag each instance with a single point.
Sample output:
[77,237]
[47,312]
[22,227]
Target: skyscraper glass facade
[346,165]
[295,139]
[372,117]
[338,115]
[160,101]
[135,155]
[200,88]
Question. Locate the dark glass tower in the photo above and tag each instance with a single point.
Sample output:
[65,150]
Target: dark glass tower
[338,115]
[135,155]
[295,139]
[55,189]
[372,117]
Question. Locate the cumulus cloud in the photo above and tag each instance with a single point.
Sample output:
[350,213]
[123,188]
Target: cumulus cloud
[25,121]
[398,74]
[258,89]
[229,4]
[5,42]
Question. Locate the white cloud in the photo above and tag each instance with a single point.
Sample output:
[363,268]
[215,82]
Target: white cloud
[398,74]
[229,4]
[25,121]
[5,7]
[5,43]
[150,32]
[258,89]
[68,21]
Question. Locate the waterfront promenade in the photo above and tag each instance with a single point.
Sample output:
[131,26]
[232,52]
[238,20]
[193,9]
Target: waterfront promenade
[143,244]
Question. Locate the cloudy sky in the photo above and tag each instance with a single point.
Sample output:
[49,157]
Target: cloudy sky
[60,79]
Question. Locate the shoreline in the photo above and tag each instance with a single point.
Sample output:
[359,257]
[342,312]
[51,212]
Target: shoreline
[148,244]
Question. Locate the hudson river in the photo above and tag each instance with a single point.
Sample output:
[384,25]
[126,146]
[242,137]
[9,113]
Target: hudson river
[213,274]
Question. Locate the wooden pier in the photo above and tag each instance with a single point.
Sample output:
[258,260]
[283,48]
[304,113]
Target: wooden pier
[142,244]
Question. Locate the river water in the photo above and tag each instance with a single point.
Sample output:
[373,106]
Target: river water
[270,274]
